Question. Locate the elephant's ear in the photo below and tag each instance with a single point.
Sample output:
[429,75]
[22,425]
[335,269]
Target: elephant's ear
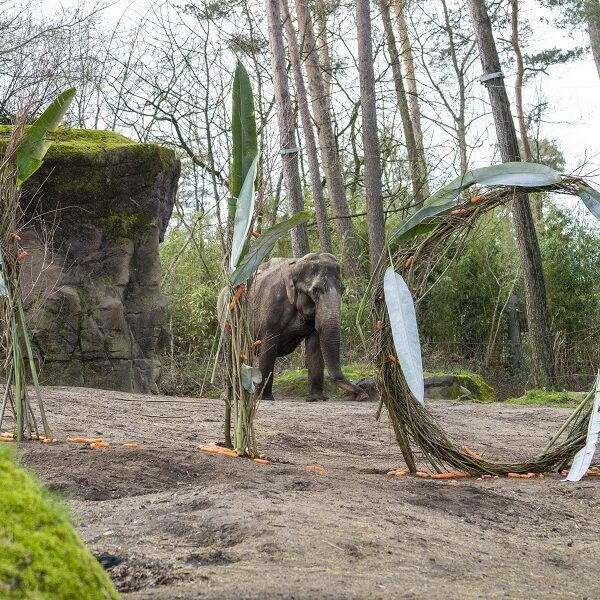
[288,279]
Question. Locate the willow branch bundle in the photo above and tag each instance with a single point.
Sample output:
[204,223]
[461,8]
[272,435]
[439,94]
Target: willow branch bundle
[15,347]
[413,423]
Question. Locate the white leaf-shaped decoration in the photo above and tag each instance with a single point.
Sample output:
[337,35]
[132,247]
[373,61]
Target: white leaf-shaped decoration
[583,459]
[251,376]
[243,215]
[403,320]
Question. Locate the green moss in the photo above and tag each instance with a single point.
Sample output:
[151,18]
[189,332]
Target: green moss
[41,554]
[476,384]
[548,398]
[127,227]
[72,142]
[295,382]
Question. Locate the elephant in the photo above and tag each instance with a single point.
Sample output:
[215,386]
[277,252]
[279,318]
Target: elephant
[298,299]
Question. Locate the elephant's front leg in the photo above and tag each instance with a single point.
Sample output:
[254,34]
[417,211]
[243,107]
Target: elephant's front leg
[266,364]
[316,366]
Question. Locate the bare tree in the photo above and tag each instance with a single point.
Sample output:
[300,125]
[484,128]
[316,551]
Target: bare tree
[538,315]
[329,152]
[418,178]
[413,93]
[307,128]
[285,114]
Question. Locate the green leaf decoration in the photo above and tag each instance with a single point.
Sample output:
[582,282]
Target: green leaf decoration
[243,129]
[33,148]
[251,377]
[263,246]
[591,199]
[403,321]
[517,174]
[243,215]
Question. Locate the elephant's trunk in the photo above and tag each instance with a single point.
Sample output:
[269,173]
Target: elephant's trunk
[328,325]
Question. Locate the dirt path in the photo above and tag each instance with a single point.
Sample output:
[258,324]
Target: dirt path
[191,525]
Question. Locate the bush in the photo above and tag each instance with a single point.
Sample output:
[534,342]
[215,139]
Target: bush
[41,554]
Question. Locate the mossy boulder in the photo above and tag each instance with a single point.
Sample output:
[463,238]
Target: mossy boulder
[97,211]
[41,555]
[549,398]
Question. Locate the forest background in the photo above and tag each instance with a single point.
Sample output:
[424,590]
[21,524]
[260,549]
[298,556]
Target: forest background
[164,73]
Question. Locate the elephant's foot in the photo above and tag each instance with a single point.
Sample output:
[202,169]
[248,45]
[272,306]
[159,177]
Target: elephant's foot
[317,397]
[356,393]
[268,397]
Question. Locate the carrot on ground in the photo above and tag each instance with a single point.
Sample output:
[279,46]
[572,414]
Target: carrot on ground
[214,449]
[397,473]
[261,461]
[131,445]
[443,476]
[409,261]
[77,440]
[100,445]
[470,452]
[422,474]
[317,468]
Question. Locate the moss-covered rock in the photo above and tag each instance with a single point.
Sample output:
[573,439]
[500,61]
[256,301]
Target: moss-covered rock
[98,209]
[481,391]
[41,555]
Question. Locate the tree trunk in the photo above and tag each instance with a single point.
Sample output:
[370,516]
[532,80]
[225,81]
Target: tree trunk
[418,183]
[591,9]
[411,84]
[370,136]
[309,134]
[536,200]
[538,315]
[323,45]
[285,118]
[329,152]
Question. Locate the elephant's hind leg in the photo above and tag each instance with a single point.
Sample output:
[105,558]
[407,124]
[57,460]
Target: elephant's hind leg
[316,366]
[266,364]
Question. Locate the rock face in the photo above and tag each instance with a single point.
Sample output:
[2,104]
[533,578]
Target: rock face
[97,210]
[438,387]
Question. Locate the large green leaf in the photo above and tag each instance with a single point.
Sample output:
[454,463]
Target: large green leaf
[33,147]
[403,321]
[517,174]
[243,129]
[591,198]
[263,245]
[243,215]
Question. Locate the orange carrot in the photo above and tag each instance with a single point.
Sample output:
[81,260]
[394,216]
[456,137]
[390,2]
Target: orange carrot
[15,236]
[470,452]
[100,445]
[409,261]
[261,461]
[541,476]
[393,359]
[7,434]
[422,474]
[257,343]
[592,474]
[317,468]
[443,476]
[213,449]
[49,440]
[131,445]
[397,473]
[521,475]
[77,440]
[22,256]
[92,440]
[476,199]
[459,211]
[239,290]
[378,325]
[255,234]
[6,439]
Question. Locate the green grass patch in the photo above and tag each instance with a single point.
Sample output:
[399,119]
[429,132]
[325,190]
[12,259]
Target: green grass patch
[41,555]
[295,382]
[548,398]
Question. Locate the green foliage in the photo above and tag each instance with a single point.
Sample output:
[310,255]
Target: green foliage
[571,258]
[35,143]
[42,556]
[192,287]
[547,398]
[243,129]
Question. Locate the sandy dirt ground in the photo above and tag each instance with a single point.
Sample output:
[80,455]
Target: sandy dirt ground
[190,525]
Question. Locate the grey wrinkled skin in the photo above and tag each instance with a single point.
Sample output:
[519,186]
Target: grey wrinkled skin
[293,300]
